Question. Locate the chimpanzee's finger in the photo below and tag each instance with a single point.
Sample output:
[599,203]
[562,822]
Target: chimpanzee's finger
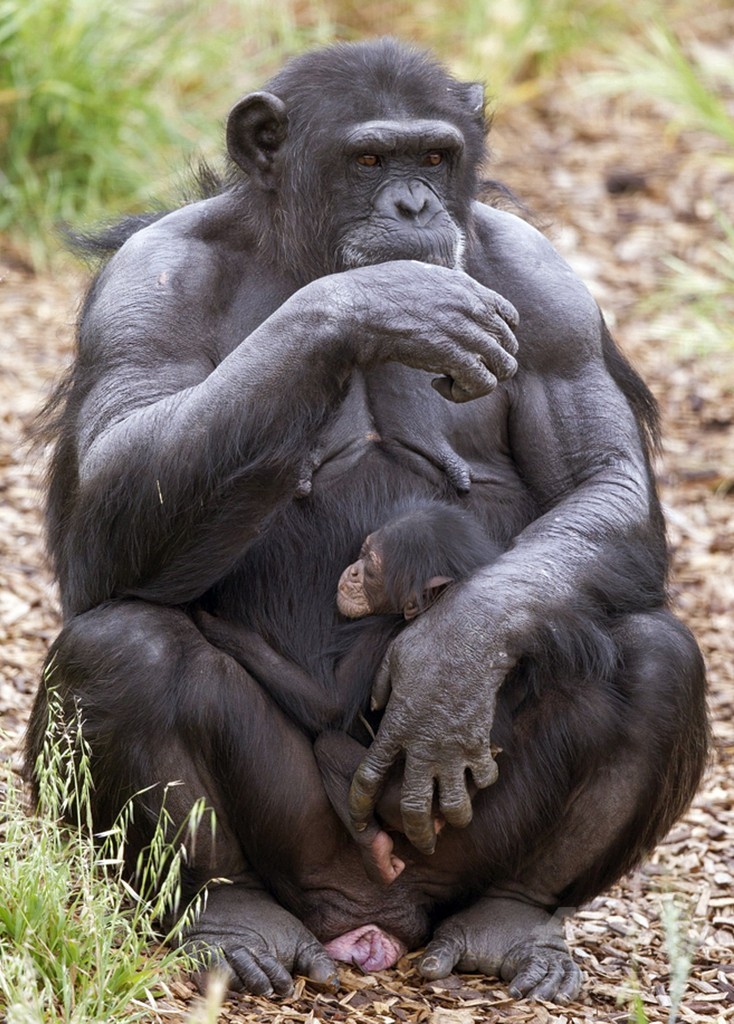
[382,685]
[496,315]
[253,976]
[369,779]
[507,311]
[454,798]
[315,963]
[453,392]
[278,976]
[484,770]
[416,805]
[442,953]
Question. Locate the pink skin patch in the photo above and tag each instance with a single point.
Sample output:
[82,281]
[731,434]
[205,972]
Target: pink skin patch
[368,948]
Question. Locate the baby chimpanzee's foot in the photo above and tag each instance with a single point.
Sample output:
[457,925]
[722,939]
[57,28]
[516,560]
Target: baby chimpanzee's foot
[381,864]
[368,947]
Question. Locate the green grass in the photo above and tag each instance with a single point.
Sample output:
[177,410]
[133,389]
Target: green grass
[518,47]
[78,943]
[84,118]
[693,307]
[99,100]
[696,305]
[695,81]
[679,947]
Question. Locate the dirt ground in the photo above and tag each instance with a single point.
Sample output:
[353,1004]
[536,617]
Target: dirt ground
[617,192]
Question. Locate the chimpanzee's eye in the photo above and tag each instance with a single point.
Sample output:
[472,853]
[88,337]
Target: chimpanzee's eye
[433,159]
[368,160]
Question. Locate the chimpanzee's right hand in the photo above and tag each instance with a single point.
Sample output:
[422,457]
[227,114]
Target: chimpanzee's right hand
[256,942]
[427,317]
[439,679]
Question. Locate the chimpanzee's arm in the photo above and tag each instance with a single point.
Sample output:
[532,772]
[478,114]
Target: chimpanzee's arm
[300,695]
[578,447]
[172,457]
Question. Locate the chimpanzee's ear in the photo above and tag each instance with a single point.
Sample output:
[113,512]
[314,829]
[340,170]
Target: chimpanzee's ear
[474,97]
[434,588]
[256,129]
[470,95]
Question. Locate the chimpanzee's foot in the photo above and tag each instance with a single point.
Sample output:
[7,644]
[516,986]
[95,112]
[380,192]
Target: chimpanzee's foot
[256,942]
[368,947]
[381,864]
[510,939]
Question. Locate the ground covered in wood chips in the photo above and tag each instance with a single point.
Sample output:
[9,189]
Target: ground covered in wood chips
[616,192]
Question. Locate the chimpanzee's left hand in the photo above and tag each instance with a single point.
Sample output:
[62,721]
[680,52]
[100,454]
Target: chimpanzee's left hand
[442,676]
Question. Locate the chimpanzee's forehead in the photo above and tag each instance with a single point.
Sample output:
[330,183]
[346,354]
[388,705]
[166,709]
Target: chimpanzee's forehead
[378,80]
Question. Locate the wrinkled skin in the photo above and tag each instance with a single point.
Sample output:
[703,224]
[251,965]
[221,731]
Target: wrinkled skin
[263,376]
[361,589]
[258,945]
[540,967]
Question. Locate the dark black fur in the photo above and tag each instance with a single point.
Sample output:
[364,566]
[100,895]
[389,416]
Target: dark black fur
[430,539]
[250,398]
[423,540]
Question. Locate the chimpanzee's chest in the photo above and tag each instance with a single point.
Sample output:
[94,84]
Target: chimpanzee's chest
[393,439]
[393,411]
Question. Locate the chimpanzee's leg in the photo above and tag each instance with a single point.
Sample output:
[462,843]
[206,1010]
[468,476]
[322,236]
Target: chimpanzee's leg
[160,705]
[338,757]
[636,751]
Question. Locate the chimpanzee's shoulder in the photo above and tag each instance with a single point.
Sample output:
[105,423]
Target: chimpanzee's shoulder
[189,254]
[512,257]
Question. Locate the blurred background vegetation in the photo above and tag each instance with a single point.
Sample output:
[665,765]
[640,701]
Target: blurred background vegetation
[100,99]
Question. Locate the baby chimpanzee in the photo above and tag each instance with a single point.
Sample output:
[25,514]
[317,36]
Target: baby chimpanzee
[403,567]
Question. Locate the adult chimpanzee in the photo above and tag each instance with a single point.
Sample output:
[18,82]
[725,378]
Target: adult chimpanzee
[250,398]
[403,567]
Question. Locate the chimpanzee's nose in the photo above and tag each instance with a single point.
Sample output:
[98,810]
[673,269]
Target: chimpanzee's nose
[412,200]
[408,200]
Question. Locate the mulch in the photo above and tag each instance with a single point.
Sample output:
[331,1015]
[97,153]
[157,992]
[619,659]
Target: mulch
[616,191]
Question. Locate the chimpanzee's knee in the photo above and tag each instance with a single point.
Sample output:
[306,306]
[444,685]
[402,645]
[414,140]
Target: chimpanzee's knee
[108,673]
[118,639]
[662,675]
[661,754]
